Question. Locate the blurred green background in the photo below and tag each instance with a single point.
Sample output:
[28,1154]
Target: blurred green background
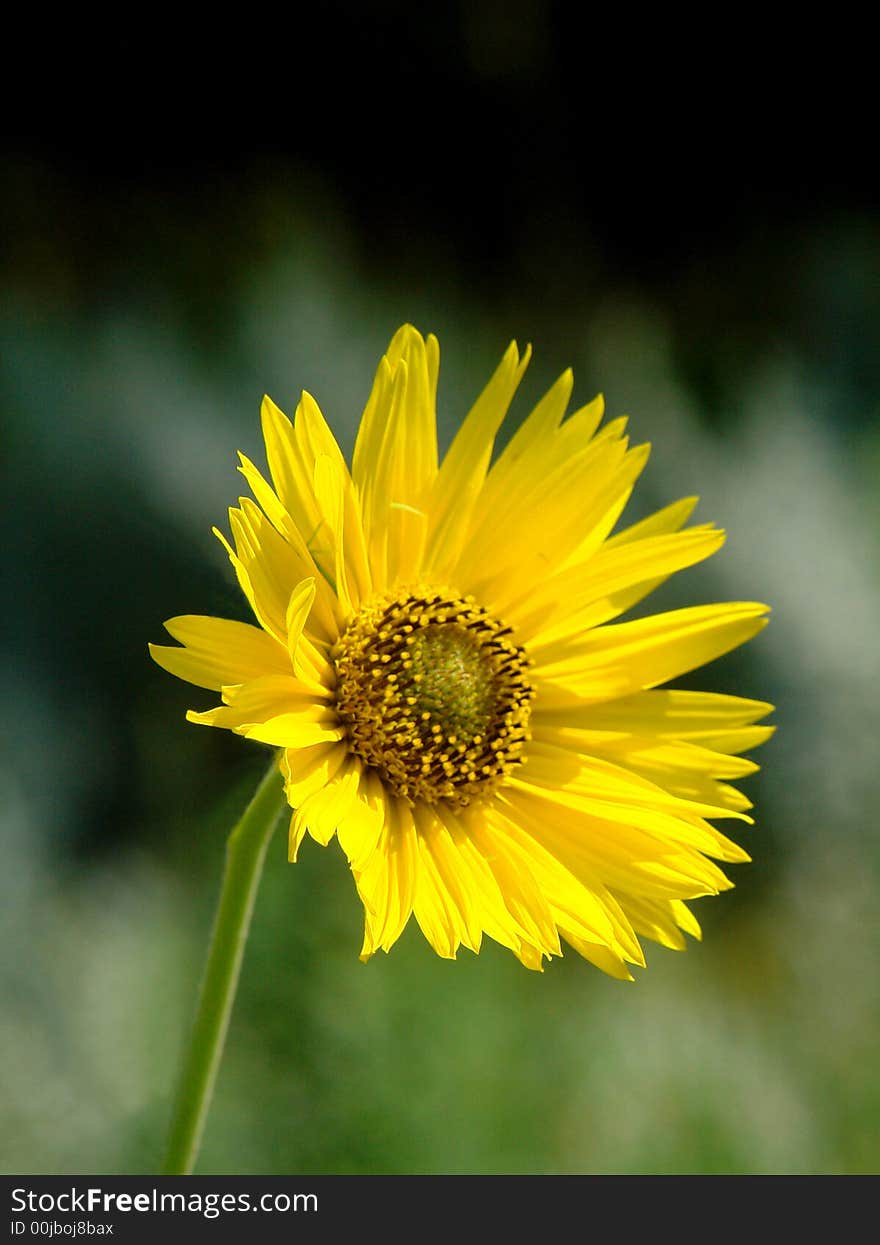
[189,223]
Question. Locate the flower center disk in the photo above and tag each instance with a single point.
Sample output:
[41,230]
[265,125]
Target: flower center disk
[433,695]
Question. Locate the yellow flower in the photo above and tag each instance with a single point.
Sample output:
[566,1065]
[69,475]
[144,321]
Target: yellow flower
[436,659]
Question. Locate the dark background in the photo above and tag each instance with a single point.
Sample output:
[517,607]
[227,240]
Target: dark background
[687,215]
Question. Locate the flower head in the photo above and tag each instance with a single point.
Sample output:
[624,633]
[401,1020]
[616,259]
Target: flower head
[438,662]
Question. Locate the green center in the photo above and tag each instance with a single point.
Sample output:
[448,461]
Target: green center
[451,679]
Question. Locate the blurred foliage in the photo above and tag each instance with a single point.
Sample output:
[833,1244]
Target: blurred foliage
[152,291]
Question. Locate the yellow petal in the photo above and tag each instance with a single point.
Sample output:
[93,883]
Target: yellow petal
[445,906]
[323,621]
[616,855]
[219,651]
[307,771]
[268,568]
[291,465]
[530,532]
[395,458]
[359,830]
[613,661]
[658,920]
[670,519]
[527,451]
[513,870]
[566,605]
[668,714]
[494,915]
[603,957]
[274,710]
[577,909]
[298,609]
[463,471]
[387,883]
[322,812]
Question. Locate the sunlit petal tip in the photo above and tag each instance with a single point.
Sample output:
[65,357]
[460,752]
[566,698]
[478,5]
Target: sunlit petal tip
[221,536]
[295,835]
[437,655]
[686,920]
[407,339]
[270,410]
[603,958]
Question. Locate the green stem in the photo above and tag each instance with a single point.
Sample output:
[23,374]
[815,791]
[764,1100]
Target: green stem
[245,853]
